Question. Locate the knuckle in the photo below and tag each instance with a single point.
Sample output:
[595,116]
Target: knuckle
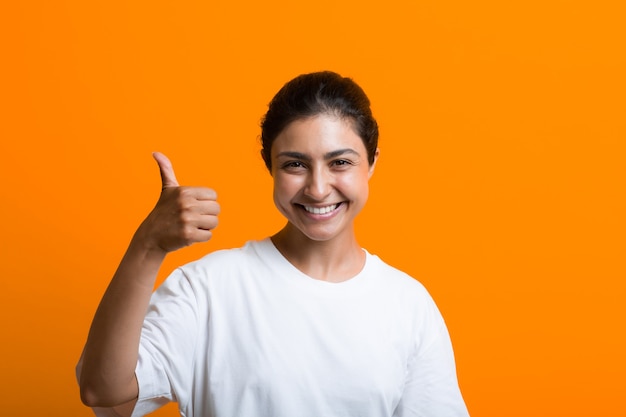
[188,234]
[184,191]
[186,218]
[184,204]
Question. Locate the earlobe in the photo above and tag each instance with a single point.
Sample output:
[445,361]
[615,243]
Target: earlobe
[371,169]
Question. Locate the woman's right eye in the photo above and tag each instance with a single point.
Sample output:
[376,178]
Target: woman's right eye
[293,164]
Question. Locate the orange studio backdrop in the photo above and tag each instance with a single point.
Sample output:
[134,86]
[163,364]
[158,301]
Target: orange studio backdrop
[501,184]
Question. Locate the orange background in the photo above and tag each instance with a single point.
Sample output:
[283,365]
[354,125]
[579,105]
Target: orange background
[501,184]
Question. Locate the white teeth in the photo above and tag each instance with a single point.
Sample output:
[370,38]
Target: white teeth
[320,210]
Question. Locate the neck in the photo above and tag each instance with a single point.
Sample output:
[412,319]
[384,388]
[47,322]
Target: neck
[334,260]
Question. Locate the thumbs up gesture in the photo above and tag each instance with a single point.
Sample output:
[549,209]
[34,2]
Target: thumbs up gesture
[182,215]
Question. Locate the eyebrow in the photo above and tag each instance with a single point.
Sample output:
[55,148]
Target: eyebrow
[328,155]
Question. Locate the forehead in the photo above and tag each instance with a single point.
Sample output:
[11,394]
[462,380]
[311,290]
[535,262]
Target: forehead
[318,135]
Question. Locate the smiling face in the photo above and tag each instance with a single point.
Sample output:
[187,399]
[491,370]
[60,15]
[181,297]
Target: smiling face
[321,172]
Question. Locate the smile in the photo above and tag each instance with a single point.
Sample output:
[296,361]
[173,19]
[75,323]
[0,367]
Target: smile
[320,210]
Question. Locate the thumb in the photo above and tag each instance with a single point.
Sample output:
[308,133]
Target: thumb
[168,178]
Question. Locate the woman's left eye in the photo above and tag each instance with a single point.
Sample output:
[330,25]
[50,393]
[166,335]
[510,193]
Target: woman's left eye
[341,162]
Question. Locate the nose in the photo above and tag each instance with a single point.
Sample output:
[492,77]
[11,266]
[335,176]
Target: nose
[318,185]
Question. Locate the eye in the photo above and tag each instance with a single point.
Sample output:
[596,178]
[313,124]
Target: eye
[292,165]
[341,163]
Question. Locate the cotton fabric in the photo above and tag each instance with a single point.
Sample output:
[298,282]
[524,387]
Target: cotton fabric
[243,333]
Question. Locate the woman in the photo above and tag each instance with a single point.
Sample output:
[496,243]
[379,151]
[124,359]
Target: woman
[305,323]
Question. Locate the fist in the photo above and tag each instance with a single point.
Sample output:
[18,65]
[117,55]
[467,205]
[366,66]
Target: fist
[182,215]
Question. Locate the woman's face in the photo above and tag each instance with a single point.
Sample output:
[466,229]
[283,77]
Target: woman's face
[321,173]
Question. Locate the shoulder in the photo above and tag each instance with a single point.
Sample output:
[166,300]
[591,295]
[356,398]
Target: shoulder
[224,266]
[222,271]
[400,291]
[224,259]
[393,278]
[405,301]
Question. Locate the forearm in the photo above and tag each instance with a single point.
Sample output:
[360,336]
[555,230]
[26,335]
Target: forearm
[111,351]
[181,217]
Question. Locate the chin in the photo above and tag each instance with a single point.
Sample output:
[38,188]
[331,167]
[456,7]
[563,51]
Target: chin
[319,235]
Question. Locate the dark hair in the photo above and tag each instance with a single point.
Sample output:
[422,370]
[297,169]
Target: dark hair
[318,93]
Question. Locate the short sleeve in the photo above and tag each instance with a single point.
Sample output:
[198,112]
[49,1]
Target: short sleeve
[431,388]
[168,339]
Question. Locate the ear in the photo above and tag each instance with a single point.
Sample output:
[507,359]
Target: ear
[371,169]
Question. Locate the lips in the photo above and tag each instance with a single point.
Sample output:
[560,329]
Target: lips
[320,210]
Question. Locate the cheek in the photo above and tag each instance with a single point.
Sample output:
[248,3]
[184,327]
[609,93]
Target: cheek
[355,184]
[285,188]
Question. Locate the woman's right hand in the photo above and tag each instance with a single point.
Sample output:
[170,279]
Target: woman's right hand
[181,217]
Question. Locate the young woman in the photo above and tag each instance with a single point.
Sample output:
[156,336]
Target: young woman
[305,323]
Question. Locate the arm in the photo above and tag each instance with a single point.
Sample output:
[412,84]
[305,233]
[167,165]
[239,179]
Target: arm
[182,216]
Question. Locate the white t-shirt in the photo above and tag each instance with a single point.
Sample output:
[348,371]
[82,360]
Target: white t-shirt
[243,333]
